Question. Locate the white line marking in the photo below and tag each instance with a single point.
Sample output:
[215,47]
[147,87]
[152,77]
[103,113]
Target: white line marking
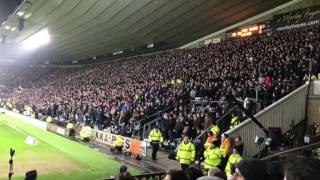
[14,127]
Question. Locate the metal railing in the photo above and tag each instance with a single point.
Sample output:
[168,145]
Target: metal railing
[139,124]
[150,125]
[296,151]
[280,114]
[199,137]
[142,122]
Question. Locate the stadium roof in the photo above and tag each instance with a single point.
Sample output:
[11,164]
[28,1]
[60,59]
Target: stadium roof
[85,29]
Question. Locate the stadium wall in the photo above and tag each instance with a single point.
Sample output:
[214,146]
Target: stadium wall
[26,119]
[281,114]
[314,104]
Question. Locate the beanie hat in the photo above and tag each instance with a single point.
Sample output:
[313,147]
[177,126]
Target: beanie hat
[253,169]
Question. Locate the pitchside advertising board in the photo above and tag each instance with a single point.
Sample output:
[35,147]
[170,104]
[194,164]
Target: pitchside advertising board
[130,145]
[297,19]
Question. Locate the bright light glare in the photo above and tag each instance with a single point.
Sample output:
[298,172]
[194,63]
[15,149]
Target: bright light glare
[38,39]
[20,13]
[7,27]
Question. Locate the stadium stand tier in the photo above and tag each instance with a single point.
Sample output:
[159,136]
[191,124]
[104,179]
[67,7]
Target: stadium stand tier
[122,93]
[191,103]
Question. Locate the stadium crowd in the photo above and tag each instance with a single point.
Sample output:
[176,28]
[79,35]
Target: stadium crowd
[293,168]
[263,67]
[259,70]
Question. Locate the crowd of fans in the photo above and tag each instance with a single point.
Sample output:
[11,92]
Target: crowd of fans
[263,68]
[293,168]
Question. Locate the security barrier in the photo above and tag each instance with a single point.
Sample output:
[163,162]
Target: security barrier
[130,145]
[148,176]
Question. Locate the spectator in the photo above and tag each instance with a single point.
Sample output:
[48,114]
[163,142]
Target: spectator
[193,173]
[216,172]
[175,175]
[124,92]
[302,168]
[254,169]
[238,144]
[209,178]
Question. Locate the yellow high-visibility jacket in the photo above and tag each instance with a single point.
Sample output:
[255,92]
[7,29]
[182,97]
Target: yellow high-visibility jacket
[49,119]
[212,157]
[235,121]
[119,141]
[233,160]
[155,135]
[215,130]
[186,153]
[69,126]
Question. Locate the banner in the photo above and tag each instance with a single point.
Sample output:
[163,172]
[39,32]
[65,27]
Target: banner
[57,129]
[130,145]
[296,19]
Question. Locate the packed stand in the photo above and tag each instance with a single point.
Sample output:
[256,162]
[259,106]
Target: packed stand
[121,93]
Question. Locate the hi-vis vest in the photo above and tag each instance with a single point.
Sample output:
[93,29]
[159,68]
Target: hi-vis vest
[49,119]
[215,130]
[155,135]
[212,157]
[235,121]
[119,141]
[69,126]
[225,147]
[186,153]
[209,141]
[234,159]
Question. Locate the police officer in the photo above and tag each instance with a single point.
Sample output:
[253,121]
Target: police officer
[235,121]
[49,119]
[70,128]
[234,159]
[186,153]
[119,144]
[155,138]
[215,129]
[212,156]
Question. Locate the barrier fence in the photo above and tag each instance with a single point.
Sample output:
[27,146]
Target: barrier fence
[134,146]
[148,176]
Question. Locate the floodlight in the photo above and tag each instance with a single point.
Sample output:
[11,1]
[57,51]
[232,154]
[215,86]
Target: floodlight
[26,16]
[38,39]
[259,140]
[20,13]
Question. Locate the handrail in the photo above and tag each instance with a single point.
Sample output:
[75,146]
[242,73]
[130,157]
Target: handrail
[292,150]
[139,121]
[159,112]
[220,119]
[149,124]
